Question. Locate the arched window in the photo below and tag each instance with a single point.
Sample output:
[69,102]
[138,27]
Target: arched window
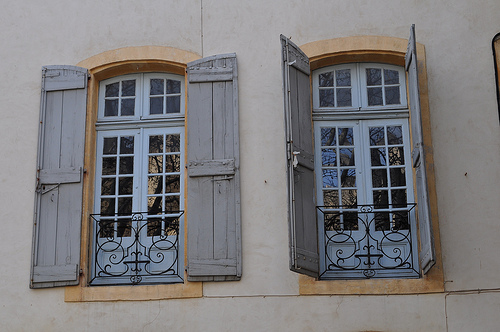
[360,221]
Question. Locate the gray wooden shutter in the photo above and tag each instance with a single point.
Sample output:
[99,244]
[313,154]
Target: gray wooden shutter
[427,251]
[213,206]
[303,237]
[58,198]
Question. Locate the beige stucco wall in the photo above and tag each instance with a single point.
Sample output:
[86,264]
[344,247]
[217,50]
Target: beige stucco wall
[465,130]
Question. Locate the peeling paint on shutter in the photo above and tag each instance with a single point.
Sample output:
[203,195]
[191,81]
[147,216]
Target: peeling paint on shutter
[304,257]
[58,198]
[213,208]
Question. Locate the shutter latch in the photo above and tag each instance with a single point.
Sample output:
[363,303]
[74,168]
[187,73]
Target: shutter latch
[295,162]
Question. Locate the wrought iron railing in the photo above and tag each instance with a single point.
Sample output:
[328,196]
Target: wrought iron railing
[137,248]
[367,241]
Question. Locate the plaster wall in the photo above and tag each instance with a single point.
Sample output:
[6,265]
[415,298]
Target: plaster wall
[464,125]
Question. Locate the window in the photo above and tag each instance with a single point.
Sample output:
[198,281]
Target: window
[360,220]
[138,190]
[124,159]
[366,215]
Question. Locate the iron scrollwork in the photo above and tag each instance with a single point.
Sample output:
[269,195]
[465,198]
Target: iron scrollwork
[367,241]
[135,248]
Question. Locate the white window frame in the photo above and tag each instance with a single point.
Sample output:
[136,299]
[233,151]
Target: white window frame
[360,117]
[141,97]
[141,126]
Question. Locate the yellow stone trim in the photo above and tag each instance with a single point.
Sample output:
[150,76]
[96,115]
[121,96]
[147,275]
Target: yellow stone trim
[133,293]
[101,66]
[138,54]
[386,50]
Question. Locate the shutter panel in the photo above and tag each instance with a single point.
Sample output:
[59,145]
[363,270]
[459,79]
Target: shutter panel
[427,251]
[58,197]
[213,213]
[304,257]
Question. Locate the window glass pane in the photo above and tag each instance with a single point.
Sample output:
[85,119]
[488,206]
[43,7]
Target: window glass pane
[154,227]
[398,198]
[172,203]
[155,164]
[128,88]
[350,221]
[344,97]
[173,86]
[394,135]
[108,186]
[156,105]
[379,178]
[331,198]
[398,177]
[156,86]
[125,205]
[382,222]
[172,184]
[172,143]
[326,79]
[155,205]
[396,156]
[328,137]
[346,156]
[346,136]
[373,76]
[112,89]
[125,186]
[343,77]
[111,107]
[381,199]
[348,177]
[392,95]
[327,98]
[172,163]
[110,145]
[155,184]
[349,198]
[329,157]
[332,222]
[128,106]
[174,104]
[330,178]
[106,229]
[126,165]
[109,166]
[374,96]
[391,76]
[123,228]
[377,136]
[156,144]
[400,220]
[378,157]
[107,206]
[127,145]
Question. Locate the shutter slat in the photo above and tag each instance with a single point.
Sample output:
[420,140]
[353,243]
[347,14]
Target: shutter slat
[60,175]
[427,252]
[304,255]
[58,200]
[214,231]
[211,167]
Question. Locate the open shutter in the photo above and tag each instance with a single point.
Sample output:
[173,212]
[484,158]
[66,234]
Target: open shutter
[303,229]
[213,216]
[58,198]
[427,251]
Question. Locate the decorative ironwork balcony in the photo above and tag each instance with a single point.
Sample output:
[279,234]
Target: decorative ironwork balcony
[367,241]
[137,248]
